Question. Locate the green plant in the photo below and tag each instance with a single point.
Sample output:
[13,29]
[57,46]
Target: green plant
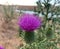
[45,37]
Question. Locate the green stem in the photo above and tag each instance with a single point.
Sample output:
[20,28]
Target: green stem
[29,37]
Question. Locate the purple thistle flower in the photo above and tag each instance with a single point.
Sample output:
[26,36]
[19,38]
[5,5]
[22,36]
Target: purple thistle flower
[1,47]
[29,22]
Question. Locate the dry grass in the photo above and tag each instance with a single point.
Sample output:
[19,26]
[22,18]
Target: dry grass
[9,35]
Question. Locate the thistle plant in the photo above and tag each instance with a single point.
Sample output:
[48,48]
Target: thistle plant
[45,10]
[45,36]
[29,23]
[48,31]
[1,47]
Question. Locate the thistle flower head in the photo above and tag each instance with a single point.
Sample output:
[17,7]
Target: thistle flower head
[29,22]
[1,47]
